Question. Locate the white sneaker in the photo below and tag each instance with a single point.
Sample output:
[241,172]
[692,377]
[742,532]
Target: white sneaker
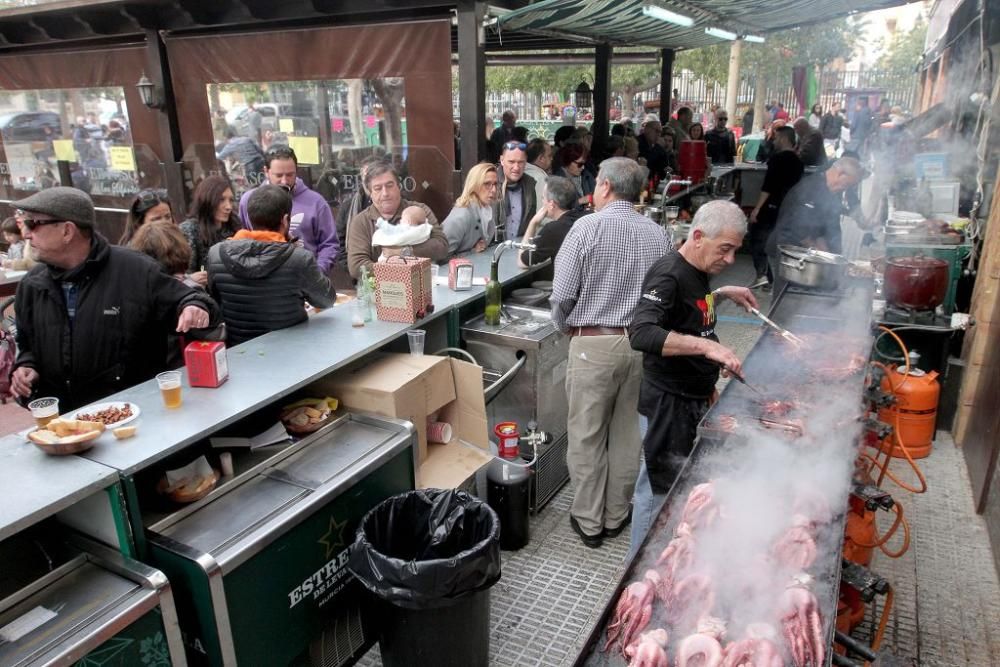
[758,283]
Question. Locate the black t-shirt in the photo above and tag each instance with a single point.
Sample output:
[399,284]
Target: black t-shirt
[721,146]
[675,297]
[810,212]
[549,240]
[784,169]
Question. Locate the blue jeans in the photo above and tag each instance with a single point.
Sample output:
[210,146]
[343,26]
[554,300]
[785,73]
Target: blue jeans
[645,504]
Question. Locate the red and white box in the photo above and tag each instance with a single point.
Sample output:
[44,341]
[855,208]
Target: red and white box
[403,289]
[460,274]
[207,364]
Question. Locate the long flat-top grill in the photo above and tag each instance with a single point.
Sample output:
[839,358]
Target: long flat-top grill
[733,423]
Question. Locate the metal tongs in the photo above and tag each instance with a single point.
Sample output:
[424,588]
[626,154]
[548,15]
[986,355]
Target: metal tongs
[739,378]
[784,333]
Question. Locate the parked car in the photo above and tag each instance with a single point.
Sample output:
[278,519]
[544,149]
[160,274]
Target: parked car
[30,126]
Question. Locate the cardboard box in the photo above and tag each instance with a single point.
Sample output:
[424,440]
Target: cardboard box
[416,387]
[403,289]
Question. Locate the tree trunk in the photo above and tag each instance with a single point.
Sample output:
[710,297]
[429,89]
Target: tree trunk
[354,111]
[759,91]
[390,93]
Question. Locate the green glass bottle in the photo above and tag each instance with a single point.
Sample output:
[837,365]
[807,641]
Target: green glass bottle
[493,296]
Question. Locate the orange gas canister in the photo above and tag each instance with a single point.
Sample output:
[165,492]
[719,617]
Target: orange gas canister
[859,535]
[916,406]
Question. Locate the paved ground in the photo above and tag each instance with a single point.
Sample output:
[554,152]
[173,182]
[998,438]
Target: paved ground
[947,598]
[947,609]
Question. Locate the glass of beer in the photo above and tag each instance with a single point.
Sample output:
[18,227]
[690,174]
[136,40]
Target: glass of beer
[170,388]
[44,410]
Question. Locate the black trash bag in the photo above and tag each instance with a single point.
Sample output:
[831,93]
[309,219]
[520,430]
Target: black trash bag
[426,549]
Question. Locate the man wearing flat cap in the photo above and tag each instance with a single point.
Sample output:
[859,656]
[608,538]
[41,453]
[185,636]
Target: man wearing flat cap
[92,318]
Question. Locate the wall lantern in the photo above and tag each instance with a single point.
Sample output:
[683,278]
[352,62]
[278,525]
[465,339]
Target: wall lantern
[583,96]
[147,93]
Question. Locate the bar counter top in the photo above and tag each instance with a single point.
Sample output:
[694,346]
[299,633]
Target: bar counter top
[36,486]
[265,369]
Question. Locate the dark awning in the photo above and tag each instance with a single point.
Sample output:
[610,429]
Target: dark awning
[623,21]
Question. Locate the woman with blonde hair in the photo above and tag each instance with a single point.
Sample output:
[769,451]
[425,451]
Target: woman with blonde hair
[470,225]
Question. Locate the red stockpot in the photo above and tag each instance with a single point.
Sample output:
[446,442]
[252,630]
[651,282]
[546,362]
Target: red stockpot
[692,160]
[916,282]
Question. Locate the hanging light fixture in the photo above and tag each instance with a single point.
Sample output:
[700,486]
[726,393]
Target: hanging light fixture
[583,96]
[147,93]
[663,14]
[753,38]
[720,33]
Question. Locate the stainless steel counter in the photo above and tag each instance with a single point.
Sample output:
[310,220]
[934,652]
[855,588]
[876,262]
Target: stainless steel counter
[265,369]
[36,486]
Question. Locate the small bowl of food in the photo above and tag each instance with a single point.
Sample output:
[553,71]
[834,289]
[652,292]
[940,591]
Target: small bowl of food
[62,437]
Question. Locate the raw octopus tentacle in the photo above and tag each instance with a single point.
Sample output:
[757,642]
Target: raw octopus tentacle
[803,627]
[796,548]
[699,649]
[649,650]
[700,509]
[753,651]
[675,559]
[633,611]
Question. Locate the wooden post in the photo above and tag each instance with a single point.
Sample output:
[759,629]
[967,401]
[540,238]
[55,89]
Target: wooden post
[471,83]
[171,148]
[985,311]
[666,84]
[601,128]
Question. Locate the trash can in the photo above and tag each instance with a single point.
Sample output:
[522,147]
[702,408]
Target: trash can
[430,557]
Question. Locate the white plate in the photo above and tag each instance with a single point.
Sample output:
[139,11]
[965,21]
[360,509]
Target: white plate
[97,407]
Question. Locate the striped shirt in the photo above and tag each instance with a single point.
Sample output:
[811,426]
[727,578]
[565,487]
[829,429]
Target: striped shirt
[601,265]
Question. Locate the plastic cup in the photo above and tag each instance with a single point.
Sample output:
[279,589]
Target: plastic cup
[170,388]
[416,339]
[44,410]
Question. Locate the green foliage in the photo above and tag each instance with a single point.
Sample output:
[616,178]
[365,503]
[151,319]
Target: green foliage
[904,49]
[810,45]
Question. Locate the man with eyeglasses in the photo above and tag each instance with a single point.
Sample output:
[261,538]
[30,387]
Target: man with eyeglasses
[721,142]
[517,203]
[92,318]
[312,220]
[381,181]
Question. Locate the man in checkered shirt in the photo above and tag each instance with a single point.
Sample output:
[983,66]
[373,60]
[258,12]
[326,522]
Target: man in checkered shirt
[598,277]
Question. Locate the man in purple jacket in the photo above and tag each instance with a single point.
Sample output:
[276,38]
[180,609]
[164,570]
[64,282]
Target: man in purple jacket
[312,220]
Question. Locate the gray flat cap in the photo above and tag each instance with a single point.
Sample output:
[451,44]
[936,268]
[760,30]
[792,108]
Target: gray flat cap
[67,204]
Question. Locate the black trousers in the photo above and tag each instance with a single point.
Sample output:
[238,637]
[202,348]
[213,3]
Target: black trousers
[673,427]
[759,233]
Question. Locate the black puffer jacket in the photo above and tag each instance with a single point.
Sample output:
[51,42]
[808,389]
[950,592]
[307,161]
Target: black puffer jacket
[261,286]
[126,308]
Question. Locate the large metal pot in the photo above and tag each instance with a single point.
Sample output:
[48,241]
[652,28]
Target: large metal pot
[811,268]
[916,282]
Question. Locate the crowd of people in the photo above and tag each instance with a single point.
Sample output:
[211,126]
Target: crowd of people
[94,318]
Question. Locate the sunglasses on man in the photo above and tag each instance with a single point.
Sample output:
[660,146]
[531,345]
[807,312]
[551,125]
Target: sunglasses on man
[31,224]
[515,145]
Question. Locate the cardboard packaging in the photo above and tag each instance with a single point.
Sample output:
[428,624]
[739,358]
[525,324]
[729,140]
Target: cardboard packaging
[403,289]
[206,362]
[415,388]
[460,274]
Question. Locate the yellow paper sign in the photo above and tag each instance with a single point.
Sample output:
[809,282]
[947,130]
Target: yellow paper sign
[286,125]
[64,149]
[122,158]
[306,149]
